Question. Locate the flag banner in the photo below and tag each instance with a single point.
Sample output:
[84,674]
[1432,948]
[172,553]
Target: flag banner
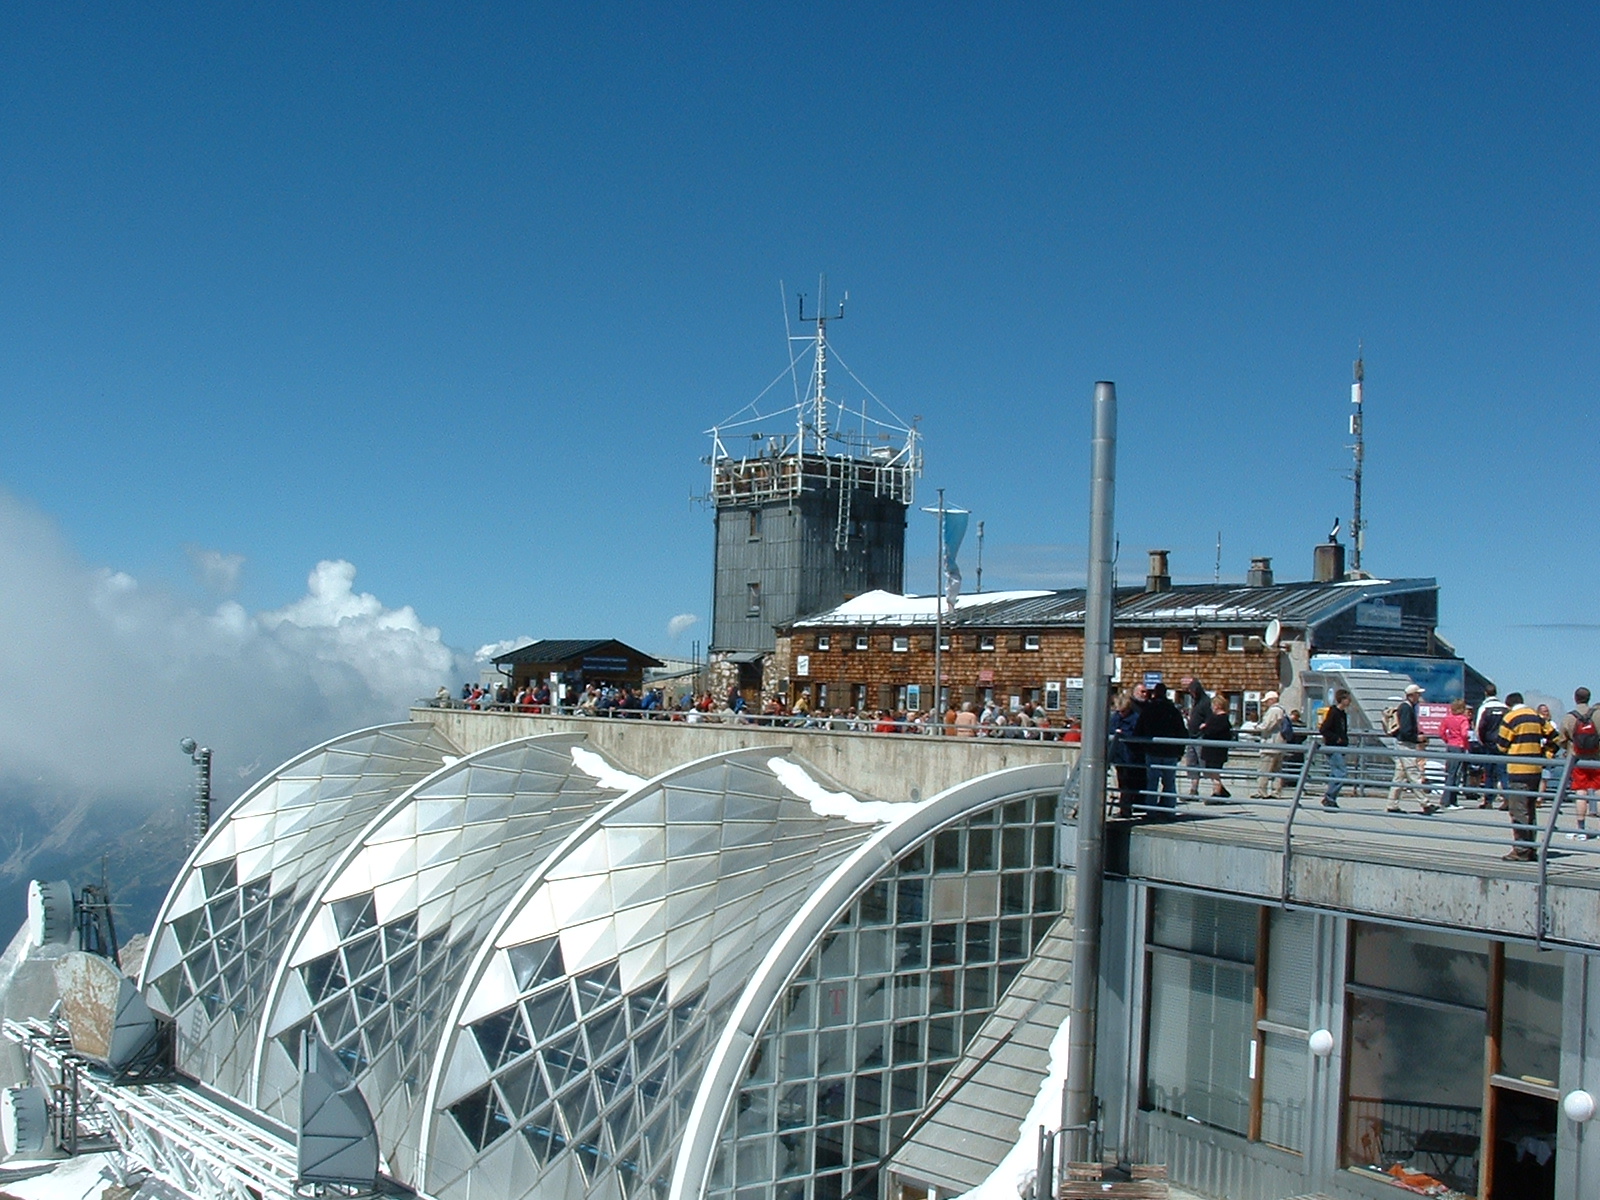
[955,528]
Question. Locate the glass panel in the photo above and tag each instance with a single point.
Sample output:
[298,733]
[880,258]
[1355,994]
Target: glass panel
[1414,1071]
[1201,1023]
[1289,969]
[1285,1063]
[1205,925]
[1530,1031]
[1439,966]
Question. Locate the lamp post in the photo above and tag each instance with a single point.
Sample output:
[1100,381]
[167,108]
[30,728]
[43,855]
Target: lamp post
[201,820]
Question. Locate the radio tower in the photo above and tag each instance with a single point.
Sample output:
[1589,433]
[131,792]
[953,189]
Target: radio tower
[1357,525]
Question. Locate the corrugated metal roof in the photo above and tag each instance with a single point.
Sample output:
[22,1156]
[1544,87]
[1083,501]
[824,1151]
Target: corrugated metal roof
[976,1114]
[1216,605]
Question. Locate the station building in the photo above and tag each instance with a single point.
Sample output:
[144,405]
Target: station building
[877,650]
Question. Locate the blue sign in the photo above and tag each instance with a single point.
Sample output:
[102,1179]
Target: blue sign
[1151,678]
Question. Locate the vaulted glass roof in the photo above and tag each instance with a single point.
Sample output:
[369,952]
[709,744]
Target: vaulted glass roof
[548,977]
[224,927]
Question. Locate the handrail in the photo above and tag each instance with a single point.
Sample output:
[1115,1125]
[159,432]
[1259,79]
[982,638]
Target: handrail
[1544,850]
[1311,743]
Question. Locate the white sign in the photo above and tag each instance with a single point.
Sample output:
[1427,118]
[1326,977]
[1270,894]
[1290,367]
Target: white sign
[802,664]
[1375,614]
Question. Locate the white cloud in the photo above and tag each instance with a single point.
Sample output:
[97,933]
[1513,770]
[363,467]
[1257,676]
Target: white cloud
[105,673]
[681,624]
[219,572]
[492,650]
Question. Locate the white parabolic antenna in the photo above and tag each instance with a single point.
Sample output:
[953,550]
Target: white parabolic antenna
[24,1120]
[1274,632]
[50,915]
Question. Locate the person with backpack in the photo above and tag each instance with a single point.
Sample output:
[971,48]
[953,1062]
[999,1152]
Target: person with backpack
[1409,740]
[1490,713]
[1275,729]
[1582,740]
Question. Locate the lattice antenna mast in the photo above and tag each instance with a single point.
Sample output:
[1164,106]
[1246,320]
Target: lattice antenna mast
[819,404]
[1357,525]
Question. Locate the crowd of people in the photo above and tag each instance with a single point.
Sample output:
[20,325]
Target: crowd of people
[1507,755]
[1028,720]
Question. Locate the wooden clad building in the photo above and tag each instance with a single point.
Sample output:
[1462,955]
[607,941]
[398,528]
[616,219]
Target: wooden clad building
[876,651]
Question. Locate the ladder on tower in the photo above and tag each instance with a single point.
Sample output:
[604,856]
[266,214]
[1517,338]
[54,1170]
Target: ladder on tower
[847,487]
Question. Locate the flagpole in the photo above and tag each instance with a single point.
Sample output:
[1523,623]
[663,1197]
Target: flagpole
[938,626]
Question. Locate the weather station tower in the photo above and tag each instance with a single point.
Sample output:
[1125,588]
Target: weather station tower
[810,500]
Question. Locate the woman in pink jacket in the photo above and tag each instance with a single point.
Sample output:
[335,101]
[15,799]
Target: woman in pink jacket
[1455,730]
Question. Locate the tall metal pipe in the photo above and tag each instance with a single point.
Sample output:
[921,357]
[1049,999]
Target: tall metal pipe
[200,817]
[1098,662]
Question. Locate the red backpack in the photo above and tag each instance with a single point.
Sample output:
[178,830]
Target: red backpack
[1585,738]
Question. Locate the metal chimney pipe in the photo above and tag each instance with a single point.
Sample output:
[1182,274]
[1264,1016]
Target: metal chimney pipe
[1158,580]
[1081,1106]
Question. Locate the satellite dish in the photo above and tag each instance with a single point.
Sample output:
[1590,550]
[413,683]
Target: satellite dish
[1273,633]
[24,1120]
[50,913]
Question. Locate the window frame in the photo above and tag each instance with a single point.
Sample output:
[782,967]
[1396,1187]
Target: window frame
[1152,643]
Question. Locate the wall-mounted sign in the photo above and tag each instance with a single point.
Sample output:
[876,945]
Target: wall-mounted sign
[1376,614]
[802,664]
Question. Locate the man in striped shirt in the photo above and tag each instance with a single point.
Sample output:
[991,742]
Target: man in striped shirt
[1527,740]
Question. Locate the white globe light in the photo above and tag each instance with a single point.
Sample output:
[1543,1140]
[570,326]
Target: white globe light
[1321,1043]
[1579,1106]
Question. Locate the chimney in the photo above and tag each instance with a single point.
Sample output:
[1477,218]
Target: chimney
[1327,563]
[1260,573]
[1158,580]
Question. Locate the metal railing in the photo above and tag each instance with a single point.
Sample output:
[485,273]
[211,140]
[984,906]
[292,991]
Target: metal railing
[1451,801]
[850,721]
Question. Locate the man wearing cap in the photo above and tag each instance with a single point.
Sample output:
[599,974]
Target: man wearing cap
[1269,781]
[1407,767]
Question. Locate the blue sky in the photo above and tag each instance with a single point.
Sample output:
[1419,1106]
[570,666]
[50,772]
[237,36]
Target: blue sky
[451,292]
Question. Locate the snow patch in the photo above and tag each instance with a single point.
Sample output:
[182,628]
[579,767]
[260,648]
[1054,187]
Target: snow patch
[835,804]
[891,608]
[602,772]
[82,1178]
[1016,1170]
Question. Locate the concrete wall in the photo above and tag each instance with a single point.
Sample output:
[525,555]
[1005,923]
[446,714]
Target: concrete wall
[884,766]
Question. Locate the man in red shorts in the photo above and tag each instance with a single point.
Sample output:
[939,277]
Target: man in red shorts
[1580,737]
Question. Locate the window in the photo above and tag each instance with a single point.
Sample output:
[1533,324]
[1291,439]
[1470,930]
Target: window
[986,641]
[753,600]
[901,644]
[1207,1056]
[1236,641]
[1030,641]
[861,641]
[755,524]
[860,697]
[822,697]
[1191,643]
[1152,645]
[1411,988]
[824,642]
